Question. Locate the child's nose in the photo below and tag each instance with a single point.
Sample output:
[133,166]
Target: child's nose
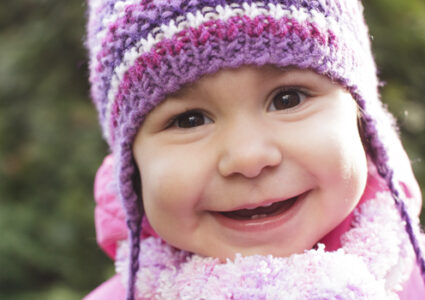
[248,152]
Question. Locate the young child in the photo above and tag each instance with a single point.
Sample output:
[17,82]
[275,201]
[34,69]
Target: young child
[251,156]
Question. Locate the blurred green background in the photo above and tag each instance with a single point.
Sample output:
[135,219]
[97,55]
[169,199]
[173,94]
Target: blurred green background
[51,146]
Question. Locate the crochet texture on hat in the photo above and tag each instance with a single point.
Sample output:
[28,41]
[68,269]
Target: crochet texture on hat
[142,50]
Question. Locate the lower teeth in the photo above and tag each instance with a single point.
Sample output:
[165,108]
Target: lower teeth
[254,217]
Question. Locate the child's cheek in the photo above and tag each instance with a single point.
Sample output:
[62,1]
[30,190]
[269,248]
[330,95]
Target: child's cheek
[328,145]
[171,187]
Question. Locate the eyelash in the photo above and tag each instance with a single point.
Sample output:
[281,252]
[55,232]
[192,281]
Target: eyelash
[300,93]
[196,113]
[189,113]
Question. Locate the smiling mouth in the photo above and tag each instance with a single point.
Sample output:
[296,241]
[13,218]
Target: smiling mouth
[261,212]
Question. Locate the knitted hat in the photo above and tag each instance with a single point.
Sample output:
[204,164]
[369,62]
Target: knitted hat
[143,50]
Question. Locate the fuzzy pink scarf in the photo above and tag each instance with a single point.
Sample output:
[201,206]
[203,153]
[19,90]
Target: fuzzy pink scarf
[373,262]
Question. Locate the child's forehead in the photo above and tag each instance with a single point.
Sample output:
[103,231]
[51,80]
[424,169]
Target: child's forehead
[266,73]
[259,75]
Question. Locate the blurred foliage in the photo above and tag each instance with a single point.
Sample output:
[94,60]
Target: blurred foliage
[50,142]
[397,29]
[50,148]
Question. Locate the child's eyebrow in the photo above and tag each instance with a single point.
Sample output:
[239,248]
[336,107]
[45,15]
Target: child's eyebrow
[182,91]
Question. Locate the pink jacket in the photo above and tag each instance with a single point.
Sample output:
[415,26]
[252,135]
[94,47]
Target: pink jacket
[111,228]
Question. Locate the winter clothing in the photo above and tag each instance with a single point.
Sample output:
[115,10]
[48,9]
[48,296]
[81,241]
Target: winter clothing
[142,50]
[375,260]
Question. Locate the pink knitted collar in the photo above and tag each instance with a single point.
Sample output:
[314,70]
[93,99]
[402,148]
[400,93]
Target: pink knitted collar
[373,262]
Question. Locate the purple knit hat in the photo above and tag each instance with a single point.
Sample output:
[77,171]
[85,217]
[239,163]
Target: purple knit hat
[143,50]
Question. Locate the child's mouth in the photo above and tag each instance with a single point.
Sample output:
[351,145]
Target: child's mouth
[262,218]
[262,211]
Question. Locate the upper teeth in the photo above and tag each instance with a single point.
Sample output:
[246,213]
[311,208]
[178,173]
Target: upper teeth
[266,205]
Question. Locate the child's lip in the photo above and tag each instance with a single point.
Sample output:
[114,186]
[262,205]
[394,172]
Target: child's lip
[263,223]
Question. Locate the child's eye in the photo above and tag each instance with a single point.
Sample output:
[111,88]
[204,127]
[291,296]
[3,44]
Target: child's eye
[190,119]
[286,99]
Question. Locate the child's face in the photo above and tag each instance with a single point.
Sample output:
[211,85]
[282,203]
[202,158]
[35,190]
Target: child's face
[284,142]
